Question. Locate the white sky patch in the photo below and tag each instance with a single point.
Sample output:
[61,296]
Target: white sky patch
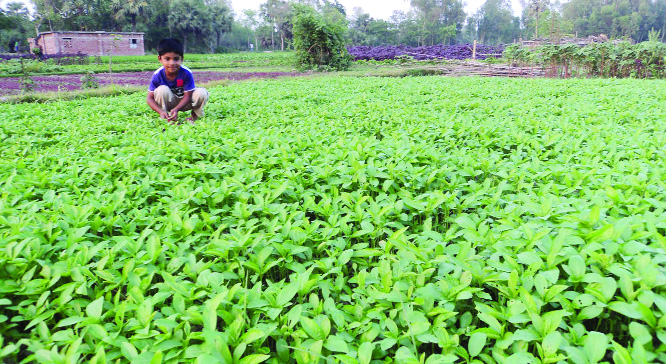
[378,9]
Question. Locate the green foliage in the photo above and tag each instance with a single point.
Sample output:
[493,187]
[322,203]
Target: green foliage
[26,83]
[150,63]
[642,60]
[319,44]
[615,18]
[654,36]
[89,81]
[360,220]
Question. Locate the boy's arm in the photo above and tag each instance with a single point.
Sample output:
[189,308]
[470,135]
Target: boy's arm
[150,100]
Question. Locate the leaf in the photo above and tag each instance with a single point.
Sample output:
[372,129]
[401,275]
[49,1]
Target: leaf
[345,256]
[621,355]
[552,320]
[335,343]
[254,359]
[640,333]
[418,328]
[128,350]
[521,358]
[405,356]
[629,310]
[491,321]
[70,321]
[476,343]
[312,328]
[577,266]
[595,346]
[365,352]
[94,308]
[551,343]
[465,222]
[157,358]
[207,359]
[441,359]
[525,335]
[286,294]
[387,343]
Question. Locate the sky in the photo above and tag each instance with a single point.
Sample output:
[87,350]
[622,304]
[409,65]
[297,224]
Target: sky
[378,9]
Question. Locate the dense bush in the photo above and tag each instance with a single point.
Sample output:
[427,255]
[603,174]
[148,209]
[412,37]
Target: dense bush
[642,60]
[319,44]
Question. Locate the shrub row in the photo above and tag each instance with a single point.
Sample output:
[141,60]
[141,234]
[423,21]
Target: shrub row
[643,60]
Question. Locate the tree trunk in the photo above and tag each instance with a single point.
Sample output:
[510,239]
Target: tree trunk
[37,25]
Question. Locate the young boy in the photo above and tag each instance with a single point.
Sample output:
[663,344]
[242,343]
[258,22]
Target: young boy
[172,87]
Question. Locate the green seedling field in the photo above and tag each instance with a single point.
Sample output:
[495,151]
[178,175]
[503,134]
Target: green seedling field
[339,220]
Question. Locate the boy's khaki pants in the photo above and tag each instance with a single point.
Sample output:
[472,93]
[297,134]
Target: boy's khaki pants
[167,100]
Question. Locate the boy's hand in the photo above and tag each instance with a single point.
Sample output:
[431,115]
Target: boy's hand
[164,114]
[173,116]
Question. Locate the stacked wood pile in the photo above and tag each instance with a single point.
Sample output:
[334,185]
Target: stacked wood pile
[601,38]
[474,68]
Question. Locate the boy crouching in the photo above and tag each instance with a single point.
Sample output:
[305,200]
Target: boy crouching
[172,86]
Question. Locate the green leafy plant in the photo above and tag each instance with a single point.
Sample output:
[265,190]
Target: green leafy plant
[339,219]
[26,83]
[89,81]
[319,44]
[642,60]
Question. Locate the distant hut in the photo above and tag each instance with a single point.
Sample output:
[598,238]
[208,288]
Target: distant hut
[90,43]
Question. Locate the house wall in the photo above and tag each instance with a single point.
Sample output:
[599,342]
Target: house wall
[92,43]
[47,42]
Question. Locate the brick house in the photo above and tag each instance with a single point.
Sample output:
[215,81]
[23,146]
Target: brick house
[90,43]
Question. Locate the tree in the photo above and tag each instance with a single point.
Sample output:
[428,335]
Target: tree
[358,26]
[334,12]
[615,18]
[5,21]
[535,8]
[496,23]
[130,9]
[405,28]
[318,44]
[14,23]
[250,21]
[188,17]
[220,19]
[49,10]
[437,19]
[278,13]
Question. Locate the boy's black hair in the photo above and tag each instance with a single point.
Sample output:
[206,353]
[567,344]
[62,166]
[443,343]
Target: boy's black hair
[170,45]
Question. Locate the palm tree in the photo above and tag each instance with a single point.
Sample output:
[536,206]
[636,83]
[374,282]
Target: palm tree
[131,9]
[188,17]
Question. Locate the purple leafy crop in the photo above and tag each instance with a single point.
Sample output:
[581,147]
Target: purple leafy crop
[54,83]
[458,51]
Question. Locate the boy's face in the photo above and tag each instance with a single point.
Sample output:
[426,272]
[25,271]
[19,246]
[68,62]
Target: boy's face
[171,62]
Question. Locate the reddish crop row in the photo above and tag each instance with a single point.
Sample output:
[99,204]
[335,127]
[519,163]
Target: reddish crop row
[55,83]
